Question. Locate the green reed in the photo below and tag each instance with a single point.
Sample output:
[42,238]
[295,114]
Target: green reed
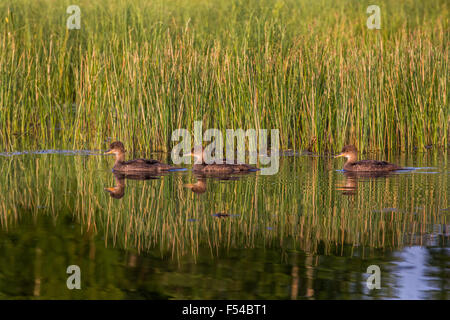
[138,69]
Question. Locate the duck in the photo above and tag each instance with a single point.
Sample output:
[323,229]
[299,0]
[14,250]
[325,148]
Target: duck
[353,165]
[137,165]
[219,166]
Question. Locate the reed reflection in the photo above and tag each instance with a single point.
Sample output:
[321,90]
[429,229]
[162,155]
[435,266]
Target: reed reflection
[249,226]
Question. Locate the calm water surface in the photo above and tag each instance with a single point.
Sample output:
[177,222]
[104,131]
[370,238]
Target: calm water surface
[309,232]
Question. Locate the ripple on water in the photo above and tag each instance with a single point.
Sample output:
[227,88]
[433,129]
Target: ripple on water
[52,151]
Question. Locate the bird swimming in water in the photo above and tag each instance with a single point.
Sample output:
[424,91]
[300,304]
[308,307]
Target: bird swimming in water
[219,166]
[137,165]
[351,153]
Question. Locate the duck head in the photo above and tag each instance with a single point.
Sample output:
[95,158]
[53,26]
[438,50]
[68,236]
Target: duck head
[116,148]
[350,152]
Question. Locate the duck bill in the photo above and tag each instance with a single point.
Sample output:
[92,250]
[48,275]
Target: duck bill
[110,189]
[110,151]
[339,155]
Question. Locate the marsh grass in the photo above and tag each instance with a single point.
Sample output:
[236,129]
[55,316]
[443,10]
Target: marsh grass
[139,69]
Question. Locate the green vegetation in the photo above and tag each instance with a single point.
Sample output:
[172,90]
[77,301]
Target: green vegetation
[139,69]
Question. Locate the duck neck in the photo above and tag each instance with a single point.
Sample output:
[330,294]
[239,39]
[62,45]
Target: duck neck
[352,158]
[120,157]
[120,183]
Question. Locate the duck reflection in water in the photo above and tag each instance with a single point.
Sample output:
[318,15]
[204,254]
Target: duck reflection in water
[200,185]
[118,191]
[351,180]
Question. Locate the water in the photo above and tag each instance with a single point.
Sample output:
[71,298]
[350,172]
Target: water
[309,232]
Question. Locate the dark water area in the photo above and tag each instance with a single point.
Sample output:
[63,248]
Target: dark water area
[309,232]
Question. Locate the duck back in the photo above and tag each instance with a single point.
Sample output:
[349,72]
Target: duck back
[371,165]
[141,165]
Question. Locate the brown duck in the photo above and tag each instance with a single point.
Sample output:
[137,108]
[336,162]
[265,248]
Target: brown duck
[351,153]
[218,167]
[137,165]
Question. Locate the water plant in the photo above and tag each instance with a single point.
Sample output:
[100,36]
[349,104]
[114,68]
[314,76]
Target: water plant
[136,70]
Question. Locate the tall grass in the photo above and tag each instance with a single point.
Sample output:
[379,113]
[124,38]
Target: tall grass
[139,69]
